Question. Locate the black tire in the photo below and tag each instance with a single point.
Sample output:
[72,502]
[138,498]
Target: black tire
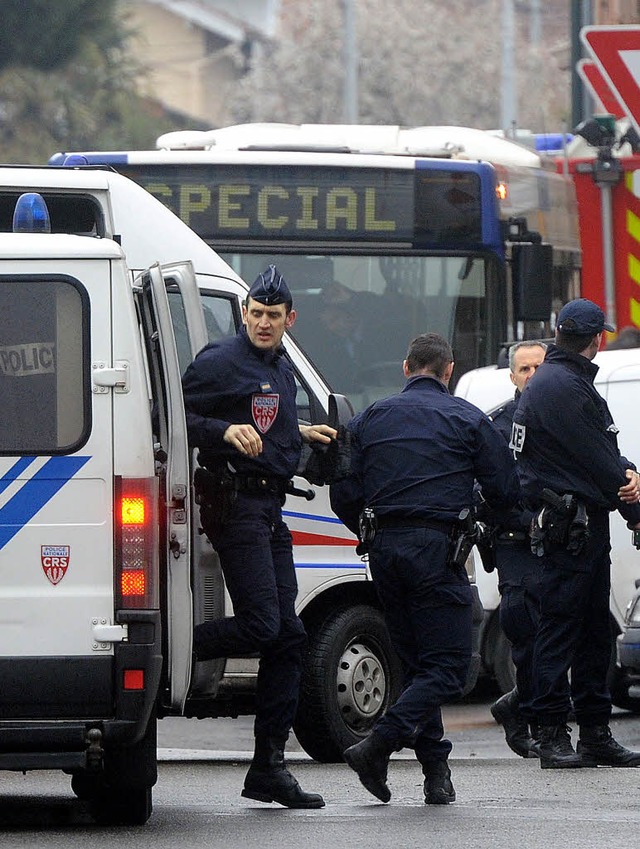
[504,670]
[350,677]
[124,788]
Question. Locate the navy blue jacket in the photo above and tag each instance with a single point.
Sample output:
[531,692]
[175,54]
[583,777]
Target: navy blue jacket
[233,382]
[417,454]
[565,438]
[503,416]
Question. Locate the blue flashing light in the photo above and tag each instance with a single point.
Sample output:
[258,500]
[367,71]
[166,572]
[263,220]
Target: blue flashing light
[551,142]
[74,159]
[31,214]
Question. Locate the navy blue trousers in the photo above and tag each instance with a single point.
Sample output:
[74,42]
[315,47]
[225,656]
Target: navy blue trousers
[519,581]
[257,562]
[428,610]
[575,632]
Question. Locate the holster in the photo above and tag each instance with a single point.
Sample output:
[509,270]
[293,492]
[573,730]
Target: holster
[215,493]
[561,523]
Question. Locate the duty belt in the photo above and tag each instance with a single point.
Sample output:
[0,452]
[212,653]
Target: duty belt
[417,522]
[259,483]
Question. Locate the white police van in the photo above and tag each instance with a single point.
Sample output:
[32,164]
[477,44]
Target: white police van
[618,381]
[103,571]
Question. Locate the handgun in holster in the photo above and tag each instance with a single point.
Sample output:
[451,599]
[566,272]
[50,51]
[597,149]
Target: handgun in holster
[367,526]
[463,538]
[562,522]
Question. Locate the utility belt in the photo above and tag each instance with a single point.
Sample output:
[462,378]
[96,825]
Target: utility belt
[463,534]
[205,481]
[561,523]
[397,522]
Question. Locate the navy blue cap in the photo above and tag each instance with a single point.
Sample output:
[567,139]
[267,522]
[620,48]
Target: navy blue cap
[582,316]
[270,288]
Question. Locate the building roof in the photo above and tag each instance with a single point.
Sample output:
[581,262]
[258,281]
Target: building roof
[230,19]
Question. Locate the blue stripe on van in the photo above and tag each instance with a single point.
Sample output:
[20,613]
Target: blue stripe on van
[35,493]
[15,471]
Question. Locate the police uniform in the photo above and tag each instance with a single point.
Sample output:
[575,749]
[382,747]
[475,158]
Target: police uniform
[415,456]
[234,382]
[519,573]
[565,440]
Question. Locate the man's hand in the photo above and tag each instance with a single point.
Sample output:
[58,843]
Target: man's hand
[630,492]
[244,439]
[317,433]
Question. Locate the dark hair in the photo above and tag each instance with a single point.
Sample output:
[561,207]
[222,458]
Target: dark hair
[429,351]
[575,342]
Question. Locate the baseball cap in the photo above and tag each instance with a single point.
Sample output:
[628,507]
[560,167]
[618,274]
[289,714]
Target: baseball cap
[270,288]
[582,316]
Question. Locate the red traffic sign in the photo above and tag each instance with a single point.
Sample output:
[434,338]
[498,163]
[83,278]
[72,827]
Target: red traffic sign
[599,88]
[616,52]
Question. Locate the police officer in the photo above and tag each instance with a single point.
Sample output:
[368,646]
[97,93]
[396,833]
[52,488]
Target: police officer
[240,399]
[572,475]
[415,456]
[518,573]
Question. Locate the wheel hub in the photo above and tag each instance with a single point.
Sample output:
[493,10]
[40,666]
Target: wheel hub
[362,686]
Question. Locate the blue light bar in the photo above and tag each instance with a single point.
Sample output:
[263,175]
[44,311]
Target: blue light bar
[31,214]
[75,159]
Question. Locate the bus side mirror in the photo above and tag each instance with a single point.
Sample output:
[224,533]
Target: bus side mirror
[532,276]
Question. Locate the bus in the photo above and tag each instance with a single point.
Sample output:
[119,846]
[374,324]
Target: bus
[381,232]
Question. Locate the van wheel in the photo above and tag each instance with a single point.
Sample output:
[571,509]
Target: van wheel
[124,794]
[350,677]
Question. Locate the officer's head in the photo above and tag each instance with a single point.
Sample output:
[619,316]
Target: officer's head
[524,359]
[268,310]
[580,326]
[429,354]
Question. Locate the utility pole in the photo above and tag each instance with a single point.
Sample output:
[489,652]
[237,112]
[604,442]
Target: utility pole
[509,75]
[581,105]
[350,51]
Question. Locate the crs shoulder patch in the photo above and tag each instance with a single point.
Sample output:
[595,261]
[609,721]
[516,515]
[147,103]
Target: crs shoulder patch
[518,433]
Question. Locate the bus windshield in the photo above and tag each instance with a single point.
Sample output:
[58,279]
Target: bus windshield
[382,233]
[357,313]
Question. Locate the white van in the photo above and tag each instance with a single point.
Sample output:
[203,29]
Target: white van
[105,574]
[618,381]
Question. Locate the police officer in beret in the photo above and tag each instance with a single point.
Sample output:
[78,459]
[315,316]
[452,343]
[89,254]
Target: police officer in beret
[519,573]
[415,457]
[573,475]
[240,400]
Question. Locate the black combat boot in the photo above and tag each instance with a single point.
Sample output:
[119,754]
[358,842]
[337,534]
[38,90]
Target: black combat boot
[370,759]
[268,779]
[556,751]
[506,712]
[597,745]
[438,789]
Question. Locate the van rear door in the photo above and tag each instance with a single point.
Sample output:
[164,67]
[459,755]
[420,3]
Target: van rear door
[56,472]
[171,432]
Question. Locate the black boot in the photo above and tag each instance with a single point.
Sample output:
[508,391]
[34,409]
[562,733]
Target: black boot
[597,744]
[556,751]
[438,789]
[268,779]
[370,759]
[506,712]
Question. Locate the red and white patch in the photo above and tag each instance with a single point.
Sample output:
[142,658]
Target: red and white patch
[264,409]
[55,561]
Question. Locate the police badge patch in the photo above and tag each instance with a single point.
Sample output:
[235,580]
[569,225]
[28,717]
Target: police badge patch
[264,409]
[55,561]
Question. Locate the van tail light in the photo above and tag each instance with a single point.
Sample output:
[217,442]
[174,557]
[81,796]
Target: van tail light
[137,556]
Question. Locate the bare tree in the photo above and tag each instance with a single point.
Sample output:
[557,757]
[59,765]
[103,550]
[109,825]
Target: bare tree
[420,62]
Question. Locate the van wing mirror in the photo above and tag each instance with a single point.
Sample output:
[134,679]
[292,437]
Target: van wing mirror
[532,276]
[340,410]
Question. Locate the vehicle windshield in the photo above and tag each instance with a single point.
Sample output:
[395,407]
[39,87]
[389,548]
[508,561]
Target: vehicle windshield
[357,314]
